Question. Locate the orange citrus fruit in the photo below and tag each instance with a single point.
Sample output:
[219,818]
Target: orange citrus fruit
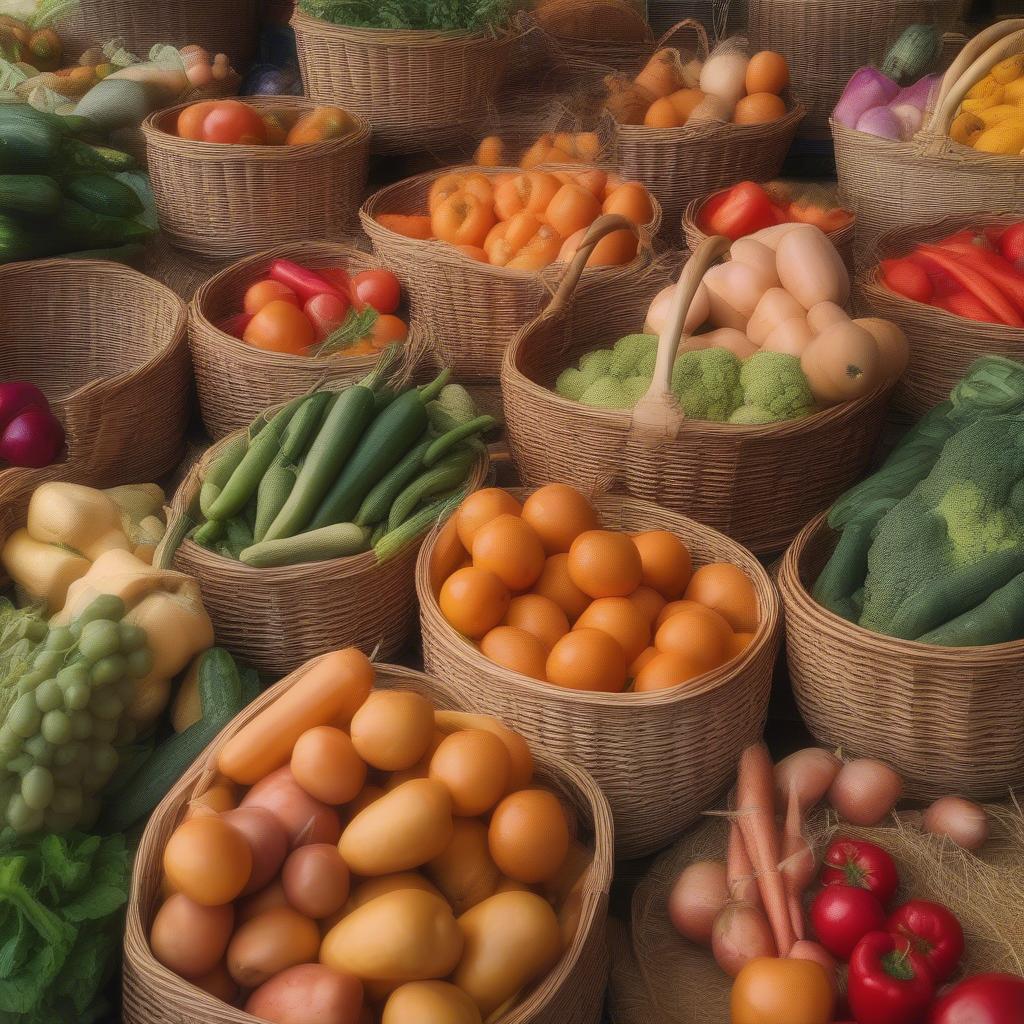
[665,671]
[555,583]
[603,563]
[515,649]
[509,547]
[666,562]
[474,601]
[587,659]
[622,620]
[481,507]
[699,634]
[539,616]
[559,514]
[727,589]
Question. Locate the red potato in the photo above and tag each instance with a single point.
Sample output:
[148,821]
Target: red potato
[305,819]
[308,994]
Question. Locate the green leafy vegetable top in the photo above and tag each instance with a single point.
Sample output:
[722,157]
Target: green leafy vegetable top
[439,15]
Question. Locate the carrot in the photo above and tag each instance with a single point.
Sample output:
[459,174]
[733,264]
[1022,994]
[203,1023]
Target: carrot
[797,865]
[755,814]
[739,872]
[331,688]
[980,287]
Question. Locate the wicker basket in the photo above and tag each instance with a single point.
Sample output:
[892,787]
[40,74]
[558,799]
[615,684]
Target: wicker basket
[679,165]
[215,199]
[942,345]
[571,994]
[107,346]
[758,484]
[475,308]
[236,381]
[946,718]
[221,26]
[895,184]
[825,42]
[842,238]
[419,90]
[276,619]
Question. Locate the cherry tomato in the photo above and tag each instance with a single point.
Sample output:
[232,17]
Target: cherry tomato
[377,288]
[741,210]
[861,864]
[905,277]
[234,122]
[259,294]
[842,915]
[386,329]
[981,999]
[190,120]
[326,312]
[280,327]
[933,932]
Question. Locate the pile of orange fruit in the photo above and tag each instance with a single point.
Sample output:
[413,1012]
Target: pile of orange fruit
[527,220]
[547,148]
[544,590]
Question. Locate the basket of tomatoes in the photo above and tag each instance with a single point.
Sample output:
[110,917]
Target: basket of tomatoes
[274,325]
[485,246]
[231,177]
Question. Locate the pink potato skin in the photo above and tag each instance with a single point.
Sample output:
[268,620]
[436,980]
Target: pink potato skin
[308,994]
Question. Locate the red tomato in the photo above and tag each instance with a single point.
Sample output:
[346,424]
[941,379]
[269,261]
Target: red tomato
[1011,244]
[234,122]
[280,327]
[190,120]
[326,312]
[740,211]
[861,864]
[888,982]
[842,915]
[908,278]
[981,999]
[933,932]
[386,329]
[377,288]
[259,294]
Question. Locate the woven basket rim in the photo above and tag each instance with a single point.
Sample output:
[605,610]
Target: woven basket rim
[794,594]
[156,135]
[639,133]
[404,37]
[708,683]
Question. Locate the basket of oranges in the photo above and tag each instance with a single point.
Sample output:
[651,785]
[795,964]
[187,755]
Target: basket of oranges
[271,170]
[634,641]
[483,246]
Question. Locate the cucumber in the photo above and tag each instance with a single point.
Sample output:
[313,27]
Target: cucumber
[220,472]
[338,541]
[448,473]
[394,541]
[103,194]
[276,485]
[457,435]
[378,502]
[82,229]
[74,156]
[209,533]
[35,195]
[18,242]
[27,141]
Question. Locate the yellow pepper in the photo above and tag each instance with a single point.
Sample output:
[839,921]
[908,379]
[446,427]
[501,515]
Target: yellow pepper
[1009,69]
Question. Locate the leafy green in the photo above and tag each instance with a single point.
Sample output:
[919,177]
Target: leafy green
[61,914]
[440,15]
[357,326]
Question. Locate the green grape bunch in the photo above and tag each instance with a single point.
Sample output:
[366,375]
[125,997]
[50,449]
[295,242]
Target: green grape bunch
[63,697]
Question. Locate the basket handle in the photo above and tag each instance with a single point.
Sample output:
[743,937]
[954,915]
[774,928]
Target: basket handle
[658,412]
[687,25]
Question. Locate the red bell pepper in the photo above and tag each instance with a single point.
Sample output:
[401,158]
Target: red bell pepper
[888,982]
[235,325]
[862,865]
[340,278]
[967,274]
[933,932]
[741,210]
[907,277]
[305,283]
[981,999]
[1002,274]
[1011,243]
[964,304]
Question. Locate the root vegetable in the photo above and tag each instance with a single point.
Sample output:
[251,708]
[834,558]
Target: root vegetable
[740,872]
[797,865]
[740,933]
[811,771]
[698,897]
[865,791]
[965,822]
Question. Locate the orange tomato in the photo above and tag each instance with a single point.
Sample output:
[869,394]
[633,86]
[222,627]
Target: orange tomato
[555,583]
[190,120]
[770,990]
[649,601]
[666,562]
[320,124]
[559,514]
[462,219]
[508,547]
[665,671]
[447,185]
[280,326]
[632,201]
[231,121]
[759,108]
[699,634]
[530,191]
[592,181]
[474,601]
[259,294]
[407,225]
[647,655]
[386,329]
[571,208]
[603,563]
[727,589]
[621,620]
[587,659]
[515,649]
[481,507]
[539,616]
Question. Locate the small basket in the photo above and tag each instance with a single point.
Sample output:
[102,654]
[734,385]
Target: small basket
[946,718]
[942,345]
[679,165]
[572,993]
[476,308]
[757,484]
[419,90]
[215,199]
[236,381]
[275,619]
[895,184]
[107,346]
[661,758]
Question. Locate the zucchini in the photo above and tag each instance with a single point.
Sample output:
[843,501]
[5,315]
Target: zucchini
[74,156]
[220,472]
[338,541]
[378,502]
[276,485]
[79,228]
[457,435]
[394,541]
[103,194]
[18,242]
[35,195]
[448,473]
[27,140]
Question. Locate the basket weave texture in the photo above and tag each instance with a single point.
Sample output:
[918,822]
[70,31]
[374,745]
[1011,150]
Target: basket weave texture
[236,381]
[107,346]
[474,309]
[215,199]
[661,758]
[275,619]
[573,991]
[758,484]
[895,184]
[947,719]
[419,90]
[942,345]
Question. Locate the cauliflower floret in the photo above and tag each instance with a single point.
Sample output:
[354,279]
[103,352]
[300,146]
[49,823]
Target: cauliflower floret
[774,382]
[707,383]
[634,355]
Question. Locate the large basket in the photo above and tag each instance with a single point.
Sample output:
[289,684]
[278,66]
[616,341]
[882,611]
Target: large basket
[107,346]
[825,42]
[948,719]
[758,484]
[895,184]
[475,308]
[236,381]
[679,165]
[276,619]
[215,199]
[419,90]
[661,758]
[942,345]
[573,991]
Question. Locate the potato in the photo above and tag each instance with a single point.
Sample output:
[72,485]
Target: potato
[371,888]
[402,830]
[406,935]
[464,871]
[190,938]
[511,940]
[430,1002]
[308,994]
[269,944]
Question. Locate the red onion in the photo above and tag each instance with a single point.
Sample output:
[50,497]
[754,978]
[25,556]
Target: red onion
[16,396]
[33,438]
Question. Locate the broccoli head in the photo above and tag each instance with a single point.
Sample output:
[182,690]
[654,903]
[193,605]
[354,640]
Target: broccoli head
[707,384]
[774,382]
[572,383]
[634,355]
[596,364]
[607,393]
[976,524]
[751,415]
